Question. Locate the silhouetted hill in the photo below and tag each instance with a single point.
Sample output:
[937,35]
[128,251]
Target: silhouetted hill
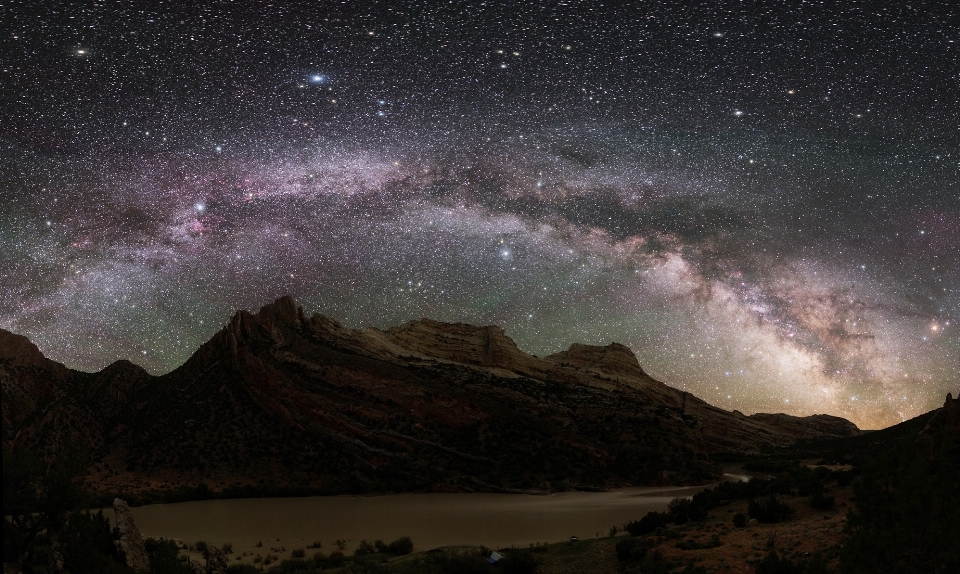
[873,444]
[279,398]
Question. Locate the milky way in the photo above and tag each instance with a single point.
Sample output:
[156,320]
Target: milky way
[762,202]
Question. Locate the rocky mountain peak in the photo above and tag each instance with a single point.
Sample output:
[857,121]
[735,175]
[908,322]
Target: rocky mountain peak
[283,310]
[486,346]
[20,350]
[613,360]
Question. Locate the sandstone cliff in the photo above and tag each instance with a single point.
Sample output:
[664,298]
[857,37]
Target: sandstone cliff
[280,398]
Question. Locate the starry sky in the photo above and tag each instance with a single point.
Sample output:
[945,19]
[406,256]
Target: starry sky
[761,199]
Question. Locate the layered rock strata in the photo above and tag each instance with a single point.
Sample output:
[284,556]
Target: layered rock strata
[276,397]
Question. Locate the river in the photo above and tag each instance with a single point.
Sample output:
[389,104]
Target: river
[431,520]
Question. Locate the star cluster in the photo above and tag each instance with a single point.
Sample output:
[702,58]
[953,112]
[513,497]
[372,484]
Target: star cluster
[761,200]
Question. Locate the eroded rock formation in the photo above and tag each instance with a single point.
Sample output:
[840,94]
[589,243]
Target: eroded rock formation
[281,398]
[130,540]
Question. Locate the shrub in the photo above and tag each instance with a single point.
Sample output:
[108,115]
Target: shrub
[292,567]
[298,553]
[335,559]
[164,557]
[739,520]
[699,507]
[694,545]
[227,548]
[655,564]
[631,549]
[650,522]
[518,562]
[364,548]
[843,477]
[770,510]
[401,546]
[774,564]
[821,502]
[451,562]
[680,509]
[693,569]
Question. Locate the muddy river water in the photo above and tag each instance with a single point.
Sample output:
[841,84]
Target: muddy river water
[431,520]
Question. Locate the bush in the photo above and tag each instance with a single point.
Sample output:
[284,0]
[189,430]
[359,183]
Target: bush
[449,562]
[844,477]
[631,549]
[518,562]
[293,567]
[680,509]
[821,502]
[648,523]
[364,548]
[739,520]
[693,569]
[165,557]
[334,560]
[769,511]
[298,553]
[401,546]
[655,564]
[774,564]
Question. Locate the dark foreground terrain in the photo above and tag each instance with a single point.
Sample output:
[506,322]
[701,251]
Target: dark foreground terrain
[892,506]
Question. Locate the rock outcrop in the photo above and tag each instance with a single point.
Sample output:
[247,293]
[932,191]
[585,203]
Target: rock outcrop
[280,398]
[941,434]
[131,543]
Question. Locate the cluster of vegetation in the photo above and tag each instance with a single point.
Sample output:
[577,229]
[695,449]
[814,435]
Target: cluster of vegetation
[769,510]
[773,563]
[633,554]
[907,516]
[514,561]
[794,480]
[399,547]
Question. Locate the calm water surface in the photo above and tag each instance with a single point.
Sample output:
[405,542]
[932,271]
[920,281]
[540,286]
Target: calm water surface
[431,520]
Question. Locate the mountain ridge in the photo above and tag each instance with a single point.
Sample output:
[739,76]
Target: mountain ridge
[277,397]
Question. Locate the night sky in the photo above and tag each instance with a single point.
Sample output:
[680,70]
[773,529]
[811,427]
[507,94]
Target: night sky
[761,199]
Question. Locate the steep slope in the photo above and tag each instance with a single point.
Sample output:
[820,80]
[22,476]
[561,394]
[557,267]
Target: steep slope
[278,398]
